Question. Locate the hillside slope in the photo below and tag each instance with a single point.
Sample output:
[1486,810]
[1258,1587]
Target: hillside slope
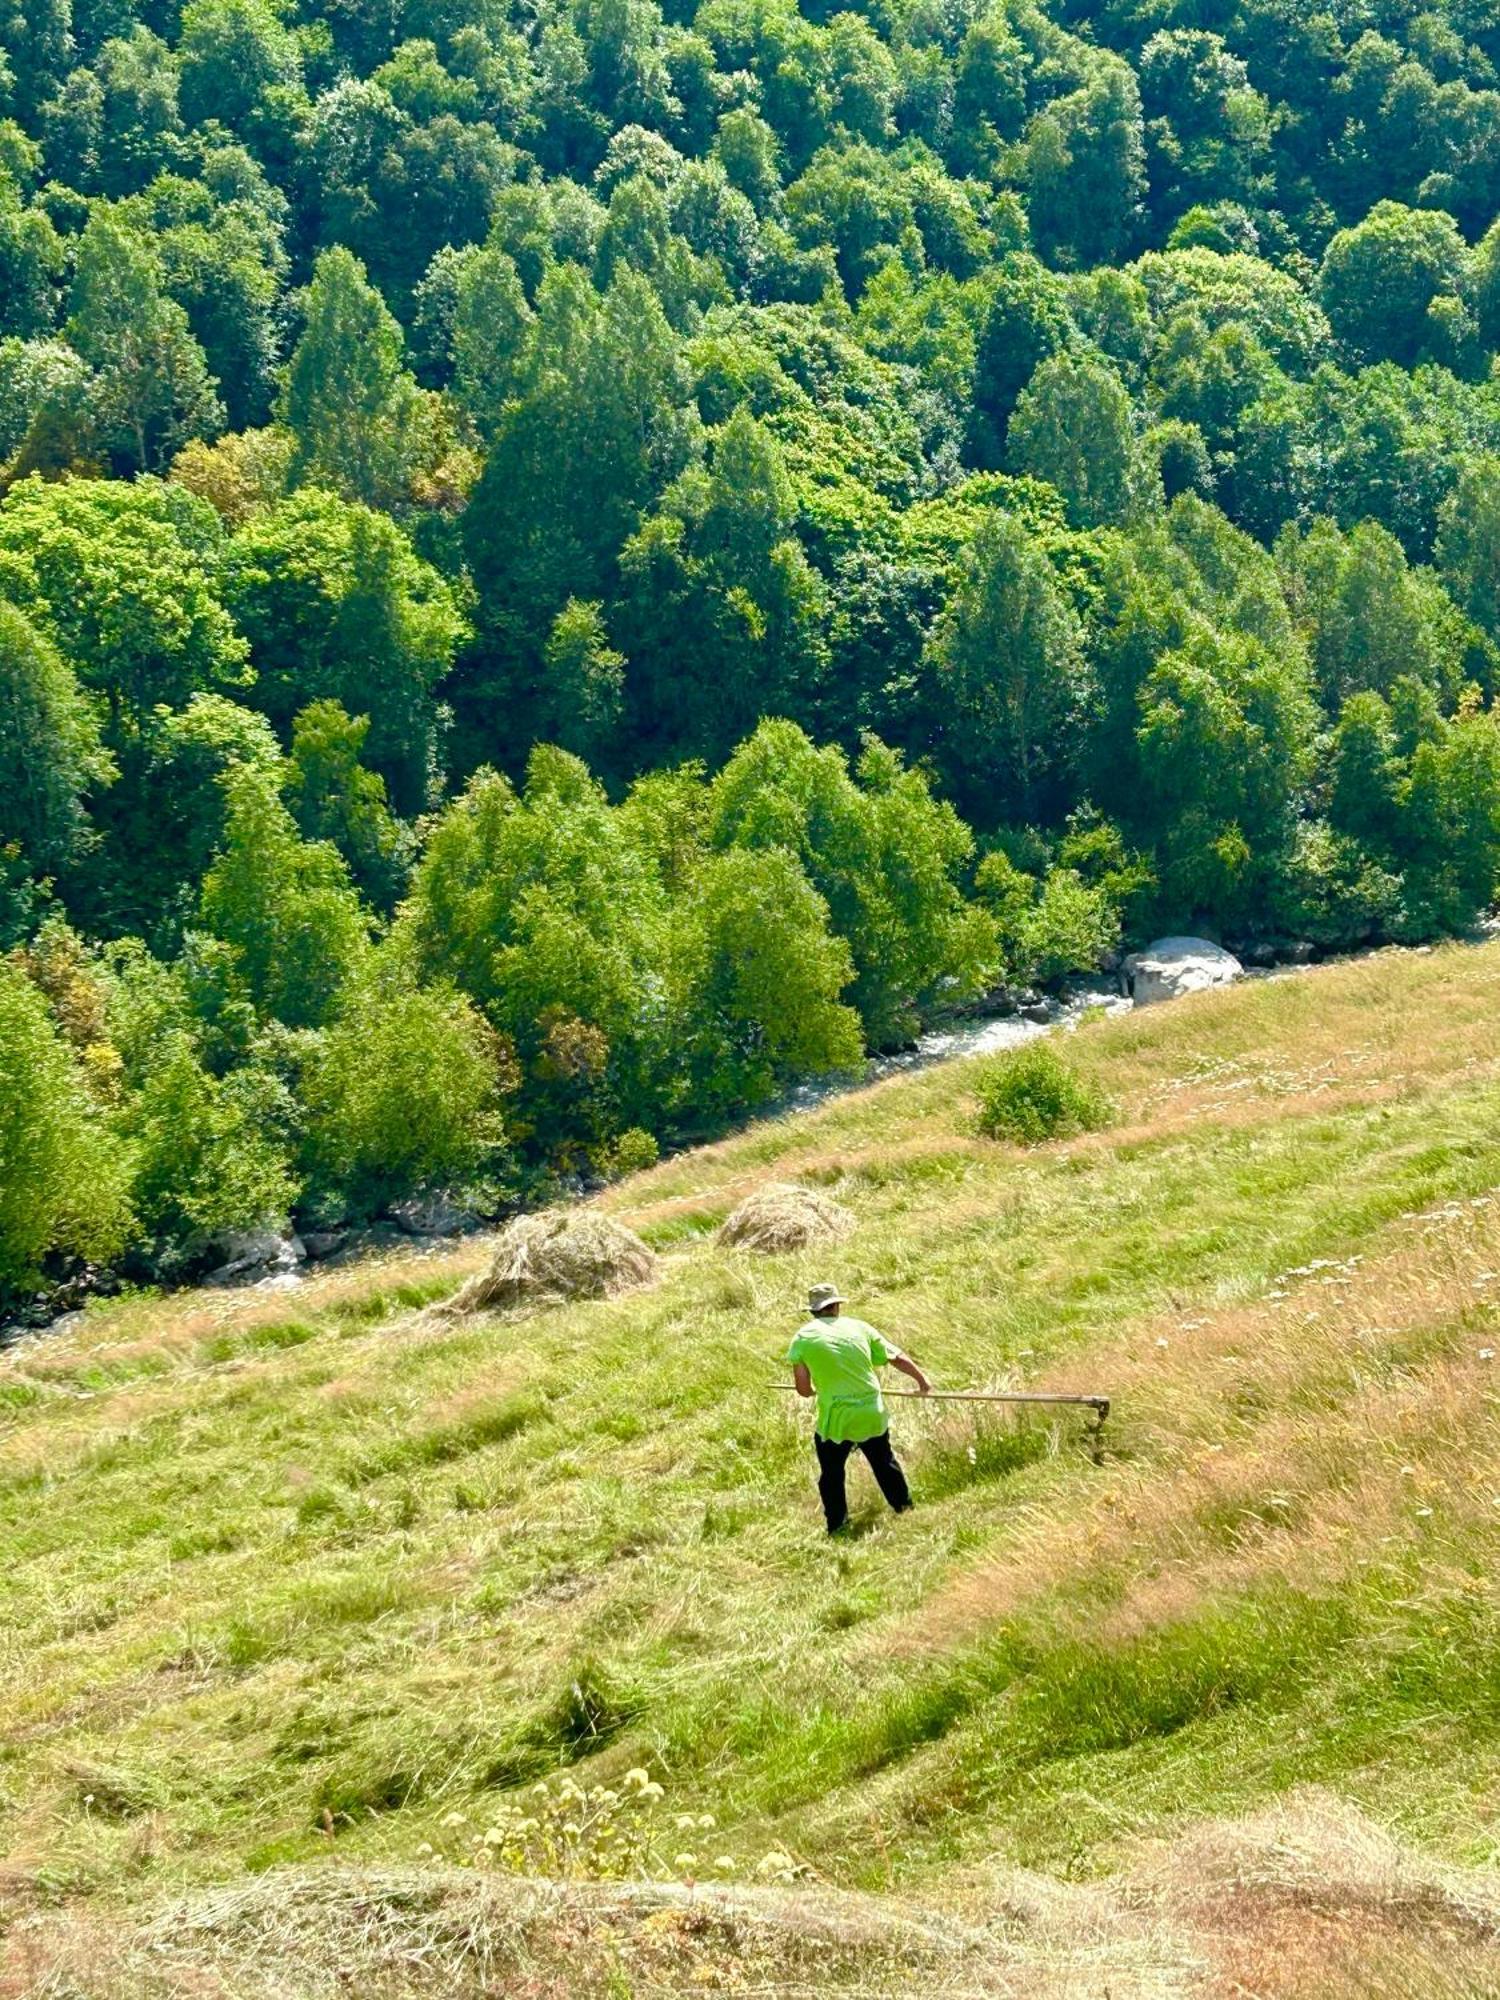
[292,1581]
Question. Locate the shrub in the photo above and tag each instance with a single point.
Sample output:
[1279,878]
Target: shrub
[632,1153]
[1031,1094]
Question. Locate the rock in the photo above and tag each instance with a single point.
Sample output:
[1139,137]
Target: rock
[1299,952]
[1037,1011]
[353,1244]
[1173,966]
[253,1254]
[321,1243]
[432,1215]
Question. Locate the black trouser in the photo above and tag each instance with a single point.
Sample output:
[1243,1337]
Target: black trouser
[833,1457]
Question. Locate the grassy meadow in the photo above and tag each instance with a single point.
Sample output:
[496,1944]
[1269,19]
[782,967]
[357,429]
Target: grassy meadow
[303,1594]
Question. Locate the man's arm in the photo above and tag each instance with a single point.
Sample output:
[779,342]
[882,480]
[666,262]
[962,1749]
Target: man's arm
[802,1379]
[909,1367]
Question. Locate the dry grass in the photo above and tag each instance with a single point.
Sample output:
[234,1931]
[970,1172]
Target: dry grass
[783,1216]
[1306,1901]
[1284,1419]
[549,1259]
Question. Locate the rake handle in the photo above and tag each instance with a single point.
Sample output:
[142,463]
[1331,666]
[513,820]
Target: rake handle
[1099,1403]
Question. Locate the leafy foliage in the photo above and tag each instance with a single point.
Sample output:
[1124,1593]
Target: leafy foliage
[576,501]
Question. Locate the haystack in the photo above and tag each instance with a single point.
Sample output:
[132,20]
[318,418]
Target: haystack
[562,1254]
[782,1216]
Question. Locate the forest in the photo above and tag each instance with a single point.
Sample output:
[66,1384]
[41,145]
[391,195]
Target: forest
[566,562]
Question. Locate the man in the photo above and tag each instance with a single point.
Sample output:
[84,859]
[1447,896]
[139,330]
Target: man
[836,1358]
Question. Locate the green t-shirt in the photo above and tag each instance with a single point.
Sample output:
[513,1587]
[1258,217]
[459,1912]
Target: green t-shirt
[841,1355]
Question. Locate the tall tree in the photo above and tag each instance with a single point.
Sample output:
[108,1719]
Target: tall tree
[284,905]
[349,401]
[50,752]
[1397,287]
[128,578]
[1007,669]
[337,606]
[153,389]
[1073,427]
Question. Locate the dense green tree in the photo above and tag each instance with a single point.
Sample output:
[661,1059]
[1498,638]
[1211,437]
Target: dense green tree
[47,421]
[152,390]
[1223,749]
[1008,677]
[31,264]
[349,401]
[223,262]
[1086,168]
[1397,288]
[209,1154]
[285,906]
[1028,321]
[1073,427]
[747,149]
[117,123]
[336,605]
[883,853]
[334,798]
[583,680]
[605,426]
[127,580]
[164,823]
[538,906]
[1468,551]
[1422,795]
[37,39]
[489,338]
[989,90]
[1237,288]
[1208,132]
[63,1176]
[1371,619]
[233,53]
[759,978]
[1212,379]
[403,1093]
[723,617]
[50,753]
[1364,773]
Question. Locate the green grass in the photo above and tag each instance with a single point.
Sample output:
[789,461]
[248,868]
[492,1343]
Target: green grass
[273,1570]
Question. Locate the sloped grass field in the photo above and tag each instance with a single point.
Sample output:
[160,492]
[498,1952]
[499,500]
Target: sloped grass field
[297,1591]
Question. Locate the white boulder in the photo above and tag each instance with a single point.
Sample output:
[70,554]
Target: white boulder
[1177,965]
[252,1255]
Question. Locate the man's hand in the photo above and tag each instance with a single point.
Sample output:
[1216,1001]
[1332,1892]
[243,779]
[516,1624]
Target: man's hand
[909,1367]
[801,1378]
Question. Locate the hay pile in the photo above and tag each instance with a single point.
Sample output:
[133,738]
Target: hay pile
[782,1216]
[562,1254]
